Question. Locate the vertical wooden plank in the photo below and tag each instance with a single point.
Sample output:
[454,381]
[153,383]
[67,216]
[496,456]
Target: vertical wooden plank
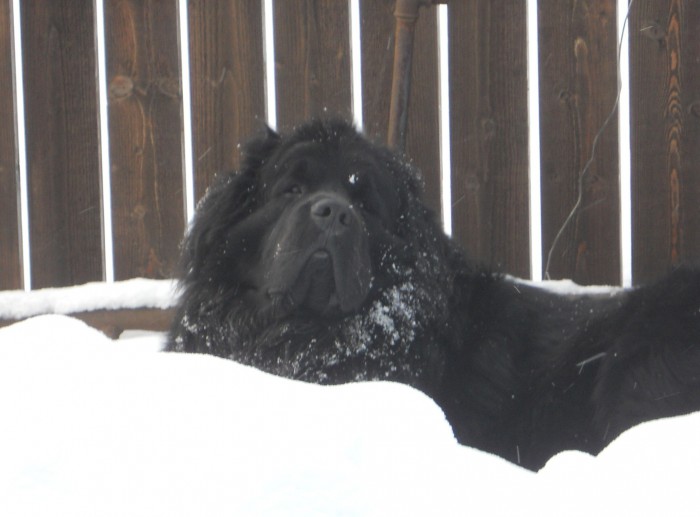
[62,141]
[578,86]
[665,101]
[423,140]
[377,35]
[489,132]
[690,136]
[228,84]
[145,125]
[312,58]
[10,257]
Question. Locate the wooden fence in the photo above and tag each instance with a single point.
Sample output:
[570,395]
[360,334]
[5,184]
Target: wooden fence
[488,121]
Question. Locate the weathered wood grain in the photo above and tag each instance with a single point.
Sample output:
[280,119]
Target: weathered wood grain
[578,86]
[665,107]
[312,57]
[489,132]
[228,85]
[10,256]
[58,40]
[377,35]
[145,127]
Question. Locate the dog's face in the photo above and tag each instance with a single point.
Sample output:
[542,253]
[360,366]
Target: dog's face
[318,261]
[310,219]
[329,202]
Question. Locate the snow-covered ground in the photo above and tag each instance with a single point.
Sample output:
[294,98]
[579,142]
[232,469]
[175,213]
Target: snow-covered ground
[90,426]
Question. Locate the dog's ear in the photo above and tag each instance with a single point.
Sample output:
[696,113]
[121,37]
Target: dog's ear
[232,197]
[225,203]
[408,179]
[258,150]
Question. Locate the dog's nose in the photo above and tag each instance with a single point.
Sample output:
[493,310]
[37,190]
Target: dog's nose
[330,213]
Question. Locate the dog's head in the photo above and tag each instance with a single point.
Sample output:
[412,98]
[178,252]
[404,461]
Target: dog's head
[305,224]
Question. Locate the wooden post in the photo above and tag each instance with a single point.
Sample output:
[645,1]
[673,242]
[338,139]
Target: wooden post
[406,14]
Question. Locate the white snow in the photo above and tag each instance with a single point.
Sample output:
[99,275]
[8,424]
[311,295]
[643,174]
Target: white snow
[569,287]
[90,426]
[127,294]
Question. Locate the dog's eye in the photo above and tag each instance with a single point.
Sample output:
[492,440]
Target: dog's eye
[368,207]
[293,190]
[361,192]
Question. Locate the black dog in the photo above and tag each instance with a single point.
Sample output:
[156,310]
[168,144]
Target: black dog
[318,261]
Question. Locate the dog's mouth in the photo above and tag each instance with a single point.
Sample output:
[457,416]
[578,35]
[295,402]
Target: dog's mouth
[321,287]
[316,288]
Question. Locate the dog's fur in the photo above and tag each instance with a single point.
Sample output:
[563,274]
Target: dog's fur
[318,261]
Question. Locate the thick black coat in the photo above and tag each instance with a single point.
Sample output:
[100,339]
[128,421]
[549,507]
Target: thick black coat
[318,261]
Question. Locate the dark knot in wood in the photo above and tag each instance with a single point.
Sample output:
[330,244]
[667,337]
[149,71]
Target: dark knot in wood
[121,87]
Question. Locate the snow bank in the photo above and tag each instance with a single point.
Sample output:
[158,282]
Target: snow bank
[95,427]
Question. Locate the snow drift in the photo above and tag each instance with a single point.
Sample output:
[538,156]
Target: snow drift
[96,427]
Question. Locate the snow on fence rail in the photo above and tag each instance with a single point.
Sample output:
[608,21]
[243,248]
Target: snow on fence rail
[138,303]
[103,127]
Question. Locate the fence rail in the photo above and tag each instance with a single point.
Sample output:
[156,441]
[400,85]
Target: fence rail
[489,130]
